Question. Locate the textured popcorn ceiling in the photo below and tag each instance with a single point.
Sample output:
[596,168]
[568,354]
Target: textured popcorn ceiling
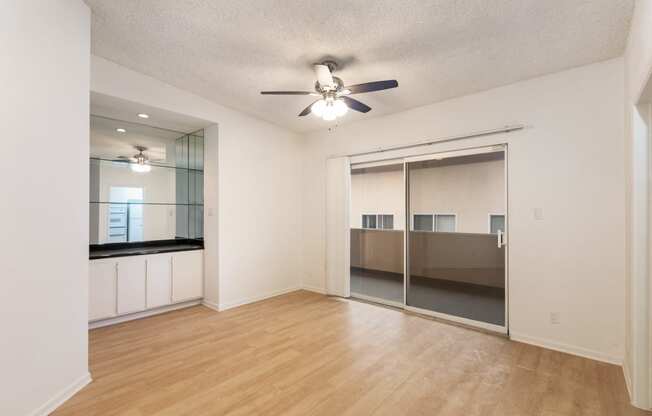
[229,50]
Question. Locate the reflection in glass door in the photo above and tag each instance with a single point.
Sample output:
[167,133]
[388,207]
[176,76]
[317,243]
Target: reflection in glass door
[456,241]
[377,220]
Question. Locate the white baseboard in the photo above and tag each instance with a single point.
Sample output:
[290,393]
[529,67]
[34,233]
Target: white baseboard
[65,394]
[314,289]
[211,305]
[376,300]
[627,373]
[569,349]
[245,301]
[143,314]
[628,379]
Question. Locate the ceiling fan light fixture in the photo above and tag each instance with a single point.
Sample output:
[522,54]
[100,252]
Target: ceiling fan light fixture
[329,116]
[340,108]
[140,168]
[329,109]
[336,100]
[142,164]
[318,108]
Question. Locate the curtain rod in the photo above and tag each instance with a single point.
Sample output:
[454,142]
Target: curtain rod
[505,129]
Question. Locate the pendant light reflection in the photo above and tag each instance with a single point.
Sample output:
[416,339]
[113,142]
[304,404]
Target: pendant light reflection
[141,165]
[140,168]
[329,109]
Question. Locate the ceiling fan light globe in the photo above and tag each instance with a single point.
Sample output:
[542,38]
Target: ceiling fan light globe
[318,108]
[340,108]
[141,167]
[330,113]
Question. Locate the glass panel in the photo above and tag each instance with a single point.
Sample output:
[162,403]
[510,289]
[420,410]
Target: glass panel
[386,222]
[182,152]
[196,152]
[160,197]
[161,185]
[445,223]
[458,269]
[182,221]
[195,187]
[132,222]
[196,222]
[497,223]
[161,147]
[377,239]
[422,222]
[368,221]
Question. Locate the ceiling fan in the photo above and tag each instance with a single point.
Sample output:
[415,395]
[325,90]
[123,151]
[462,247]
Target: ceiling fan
[334,96]
[140,161]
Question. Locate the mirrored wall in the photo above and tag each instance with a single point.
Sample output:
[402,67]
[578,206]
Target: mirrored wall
[146,183]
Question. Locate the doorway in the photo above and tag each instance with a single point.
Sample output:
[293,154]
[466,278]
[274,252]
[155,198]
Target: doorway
[125,214]
[428,234]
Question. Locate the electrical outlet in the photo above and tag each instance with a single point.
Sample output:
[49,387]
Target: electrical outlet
[554,318]
[538,213]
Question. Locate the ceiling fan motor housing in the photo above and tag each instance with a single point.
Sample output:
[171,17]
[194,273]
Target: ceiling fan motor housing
[339,86]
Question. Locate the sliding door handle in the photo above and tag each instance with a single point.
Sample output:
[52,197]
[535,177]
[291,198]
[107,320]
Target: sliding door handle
[501,241]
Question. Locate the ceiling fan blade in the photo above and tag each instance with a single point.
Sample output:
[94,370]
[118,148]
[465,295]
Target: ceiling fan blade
[324,76]
[287,93]
[356,105]
[306,110]
[372,86]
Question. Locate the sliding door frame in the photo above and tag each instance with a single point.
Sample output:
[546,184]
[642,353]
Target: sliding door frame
[406,271]
[492,147]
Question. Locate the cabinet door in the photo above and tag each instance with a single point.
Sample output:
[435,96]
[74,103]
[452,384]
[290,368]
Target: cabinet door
[187,275]
[159,280]
[131,284]
[101,289]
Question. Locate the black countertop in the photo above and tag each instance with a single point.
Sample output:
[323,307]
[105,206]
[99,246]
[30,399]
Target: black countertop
[104,251]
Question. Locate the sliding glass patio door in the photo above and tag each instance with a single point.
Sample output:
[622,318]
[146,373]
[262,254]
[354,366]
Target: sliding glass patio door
[456,216]
[377,219]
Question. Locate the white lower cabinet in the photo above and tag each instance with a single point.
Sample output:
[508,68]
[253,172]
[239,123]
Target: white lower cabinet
[159,280]
[102,290]
[131,284]
[187,275]
[124,285]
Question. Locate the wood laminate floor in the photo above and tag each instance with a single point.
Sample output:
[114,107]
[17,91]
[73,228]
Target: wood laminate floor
[308,354]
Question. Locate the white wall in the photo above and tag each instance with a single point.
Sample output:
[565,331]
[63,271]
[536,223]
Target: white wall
[571,157]
[638,70]
[255,192]
[44,110]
